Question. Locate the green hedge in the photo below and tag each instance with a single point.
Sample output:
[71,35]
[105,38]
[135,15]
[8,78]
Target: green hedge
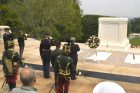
[135,41]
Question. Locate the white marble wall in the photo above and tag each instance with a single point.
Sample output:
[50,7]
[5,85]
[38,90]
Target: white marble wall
[113,33]
[2,31]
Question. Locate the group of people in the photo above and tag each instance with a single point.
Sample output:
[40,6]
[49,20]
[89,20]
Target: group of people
[11,58]
[63,61]
[9,37]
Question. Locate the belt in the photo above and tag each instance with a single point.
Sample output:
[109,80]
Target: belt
[46,49]
[60,75]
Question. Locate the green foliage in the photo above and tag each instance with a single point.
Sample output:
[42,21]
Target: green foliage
[8,17]
[61,18]
[134,22]
[4,1]
[135,41]
[128,29]
[137,29]
[90,26]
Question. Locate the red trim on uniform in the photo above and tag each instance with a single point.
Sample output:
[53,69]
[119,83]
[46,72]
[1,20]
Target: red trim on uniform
[63,82]
[12,79]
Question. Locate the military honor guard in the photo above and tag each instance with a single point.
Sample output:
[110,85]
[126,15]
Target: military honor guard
[8,36]
[45,54]
[5,39]
[10,60]
[63,69]
[54,54]
[21,43]
[73,54]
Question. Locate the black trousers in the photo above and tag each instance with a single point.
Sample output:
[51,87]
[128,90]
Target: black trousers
[11,85]
[21,49]
[46,68]
[75,60]
[6,45]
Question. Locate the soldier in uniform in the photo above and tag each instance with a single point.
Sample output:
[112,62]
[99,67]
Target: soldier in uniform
[8,36]
[73,54]
[10,61]
[45,54]
[63,69]
[21,43]
[54,54]
[5,38]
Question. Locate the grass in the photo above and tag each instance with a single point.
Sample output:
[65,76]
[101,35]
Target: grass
[135,41]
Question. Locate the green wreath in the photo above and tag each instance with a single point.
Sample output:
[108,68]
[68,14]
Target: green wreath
[93,41]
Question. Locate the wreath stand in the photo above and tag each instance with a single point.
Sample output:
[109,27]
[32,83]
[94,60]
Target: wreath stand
[91,50]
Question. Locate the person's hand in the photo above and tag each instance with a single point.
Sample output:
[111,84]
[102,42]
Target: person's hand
[62,45]
[26,66]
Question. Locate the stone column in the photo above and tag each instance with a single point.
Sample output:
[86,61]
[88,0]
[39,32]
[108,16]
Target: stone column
[113,34]
[2,31]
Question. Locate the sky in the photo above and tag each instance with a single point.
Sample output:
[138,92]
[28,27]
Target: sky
[119,8]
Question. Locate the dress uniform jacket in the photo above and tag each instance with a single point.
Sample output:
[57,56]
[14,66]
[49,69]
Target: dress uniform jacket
[62,61]
[54,54]
[45,54]
[45,51]
[63,69]
[15,61]
[5,39]
[11,69]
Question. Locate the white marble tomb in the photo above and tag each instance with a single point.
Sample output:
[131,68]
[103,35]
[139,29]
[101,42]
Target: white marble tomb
[113,34]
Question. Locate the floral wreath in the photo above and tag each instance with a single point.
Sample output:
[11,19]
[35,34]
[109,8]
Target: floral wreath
[93,41]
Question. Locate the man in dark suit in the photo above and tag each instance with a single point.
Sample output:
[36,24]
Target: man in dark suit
[45,54]
[21,43]
[73,54]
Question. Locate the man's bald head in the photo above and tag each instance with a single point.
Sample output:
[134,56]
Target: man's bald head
[27,76]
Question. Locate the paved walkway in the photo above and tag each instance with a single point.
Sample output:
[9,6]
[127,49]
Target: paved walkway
[113,65]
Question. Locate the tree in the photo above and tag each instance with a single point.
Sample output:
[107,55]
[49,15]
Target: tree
[8,17]
[134,22]
[137,29]
[61,18]
[128,29]
[90,26]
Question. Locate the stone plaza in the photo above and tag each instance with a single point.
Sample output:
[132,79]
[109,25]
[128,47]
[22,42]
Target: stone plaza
[115,61]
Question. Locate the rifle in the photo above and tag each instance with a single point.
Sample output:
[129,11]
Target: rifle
[3,84]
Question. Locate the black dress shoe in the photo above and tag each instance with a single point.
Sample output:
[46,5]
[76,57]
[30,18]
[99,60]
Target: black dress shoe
[47,77]
[73,78]
[23,58]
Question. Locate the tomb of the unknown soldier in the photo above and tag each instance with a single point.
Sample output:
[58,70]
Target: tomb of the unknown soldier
[73,46]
